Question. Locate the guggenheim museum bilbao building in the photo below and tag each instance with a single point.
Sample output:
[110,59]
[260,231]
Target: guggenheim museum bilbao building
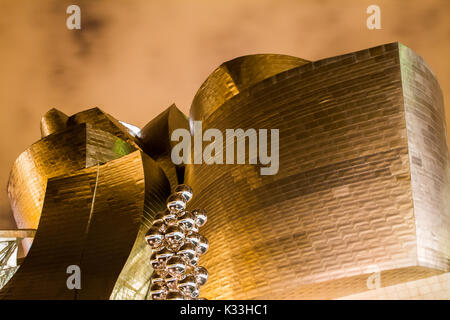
[359,208]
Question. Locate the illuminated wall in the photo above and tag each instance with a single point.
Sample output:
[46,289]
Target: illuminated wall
[349,198]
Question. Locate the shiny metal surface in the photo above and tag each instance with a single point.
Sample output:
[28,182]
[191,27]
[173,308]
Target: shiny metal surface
[362,185]
[79,146]
[155,140]
[428,155]
[8,258]
[53,121]
[89,193]
[67,235]
[234,76]
[18,233]
[174,260]
[431,288]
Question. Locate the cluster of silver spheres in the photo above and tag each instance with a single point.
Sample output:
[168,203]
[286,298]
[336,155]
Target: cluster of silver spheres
[176,248]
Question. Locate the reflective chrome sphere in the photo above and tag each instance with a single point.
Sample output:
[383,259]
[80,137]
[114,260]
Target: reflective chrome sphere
[176,248]
[170,218]
[162,246]
[195,293]
[187,251]
[163,255]
[176,202]
[156,278]
[187,221]
[154,237]
[160,225]
[159,217]
[203,245]
[200,217]
[187,285]
[174,235]
[156,264]
[194,238]
[201,275]
[158,291]
[176,266]
[180,213]
[185,191]
[194,261]
[171,282]
[174,295]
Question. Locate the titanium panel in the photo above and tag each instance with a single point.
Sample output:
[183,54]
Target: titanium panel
[341,206]
[156,142]
[429,160]
[236,75]
[95,233]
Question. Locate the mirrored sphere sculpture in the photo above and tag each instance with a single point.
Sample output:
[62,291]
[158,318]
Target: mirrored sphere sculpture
[176,248]
[176,202]
[200,217]
[185,191]
[154,237]
[158,291]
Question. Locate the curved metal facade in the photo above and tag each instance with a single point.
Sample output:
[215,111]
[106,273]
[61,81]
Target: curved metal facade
[348,200]
[90,194]
[362,186]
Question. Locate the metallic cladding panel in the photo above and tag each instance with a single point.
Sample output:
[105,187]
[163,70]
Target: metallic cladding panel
[52,188]
[341,205]
[53,121]
[249,70]
[431,288]
[155,139]
[346,286]
[103,121]
[429,161]
[236,75]
[113,227]
[362,185]
[133,282]
[67,236]
[99,243]
[74,148]
[102,146]
[51,156]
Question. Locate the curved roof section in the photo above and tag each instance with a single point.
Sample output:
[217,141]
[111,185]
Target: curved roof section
[78,146]
[53,121]
[235,75]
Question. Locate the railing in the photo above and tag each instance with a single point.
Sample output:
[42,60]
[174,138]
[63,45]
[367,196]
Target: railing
[8,249]
[9,244]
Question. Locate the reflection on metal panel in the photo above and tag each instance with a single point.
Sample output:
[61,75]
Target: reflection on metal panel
[93,192]
[342,205]
[362,186]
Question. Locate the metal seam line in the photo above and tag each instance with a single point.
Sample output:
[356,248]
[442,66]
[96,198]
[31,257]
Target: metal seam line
[91,213]
[93,201]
